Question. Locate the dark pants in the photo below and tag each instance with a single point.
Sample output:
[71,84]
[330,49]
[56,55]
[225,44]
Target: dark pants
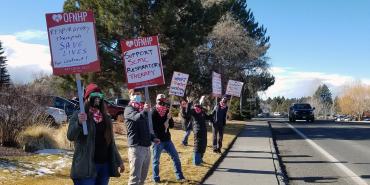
[198,158]
[186,137]
[102,177]
[218,133]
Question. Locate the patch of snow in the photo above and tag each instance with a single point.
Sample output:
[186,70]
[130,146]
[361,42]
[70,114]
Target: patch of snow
[51,151]
[43,170]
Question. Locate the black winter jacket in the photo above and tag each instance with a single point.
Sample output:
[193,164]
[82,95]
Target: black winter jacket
[158,126]
[200,129]
[219,115]
[185,121]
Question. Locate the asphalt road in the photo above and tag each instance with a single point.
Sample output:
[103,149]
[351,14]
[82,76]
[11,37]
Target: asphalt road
[347,143]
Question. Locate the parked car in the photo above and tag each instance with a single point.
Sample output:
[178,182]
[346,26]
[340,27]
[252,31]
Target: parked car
[59,102]
[114,110]
[301,111]
[276,114]
[119,101]
[56,116]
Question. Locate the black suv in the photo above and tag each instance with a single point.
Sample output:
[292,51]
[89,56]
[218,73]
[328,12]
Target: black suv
[301,111]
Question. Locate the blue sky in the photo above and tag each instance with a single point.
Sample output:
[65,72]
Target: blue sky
[316,41]
[312,41]
[317,35]
[20,15]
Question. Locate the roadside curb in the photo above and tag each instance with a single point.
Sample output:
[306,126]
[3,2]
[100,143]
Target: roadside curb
[280,169]
[221,158]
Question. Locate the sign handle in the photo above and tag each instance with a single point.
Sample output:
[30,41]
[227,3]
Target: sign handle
[81,101]
[147,100]
[229,106]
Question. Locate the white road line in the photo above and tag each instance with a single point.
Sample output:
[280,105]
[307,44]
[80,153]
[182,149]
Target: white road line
[341,166]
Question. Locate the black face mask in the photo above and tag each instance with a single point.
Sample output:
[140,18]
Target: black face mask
[95,102]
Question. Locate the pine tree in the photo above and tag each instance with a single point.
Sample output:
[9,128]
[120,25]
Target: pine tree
[4,76]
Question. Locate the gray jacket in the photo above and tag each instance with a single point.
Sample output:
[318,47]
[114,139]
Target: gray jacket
[83,165]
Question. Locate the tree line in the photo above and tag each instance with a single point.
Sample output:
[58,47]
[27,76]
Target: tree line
[353,101]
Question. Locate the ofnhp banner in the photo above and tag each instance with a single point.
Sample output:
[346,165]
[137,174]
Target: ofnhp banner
[142,61]
[72,41]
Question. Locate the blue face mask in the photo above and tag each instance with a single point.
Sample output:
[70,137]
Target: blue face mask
[137,98]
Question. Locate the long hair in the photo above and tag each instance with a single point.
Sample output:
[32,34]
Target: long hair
[108,133]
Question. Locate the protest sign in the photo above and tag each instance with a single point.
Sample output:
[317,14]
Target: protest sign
[72,42]
[142,61]
[178,84]
[216,85]
[234,88]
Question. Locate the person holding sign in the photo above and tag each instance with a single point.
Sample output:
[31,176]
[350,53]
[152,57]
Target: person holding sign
[219,115]
[198,117]
[162,120]
[96,157]
[185,121]
[139,137]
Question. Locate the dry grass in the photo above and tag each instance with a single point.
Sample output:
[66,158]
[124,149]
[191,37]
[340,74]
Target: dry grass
[193,174]
[39,137]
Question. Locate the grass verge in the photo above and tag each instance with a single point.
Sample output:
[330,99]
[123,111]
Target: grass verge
[60,174]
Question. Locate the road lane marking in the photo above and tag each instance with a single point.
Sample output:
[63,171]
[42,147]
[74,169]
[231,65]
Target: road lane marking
[341,166]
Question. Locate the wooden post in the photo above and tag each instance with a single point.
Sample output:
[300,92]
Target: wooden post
[147,100]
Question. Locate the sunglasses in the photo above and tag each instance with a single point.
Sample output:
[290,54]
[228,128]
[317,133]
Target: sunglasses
[97,94]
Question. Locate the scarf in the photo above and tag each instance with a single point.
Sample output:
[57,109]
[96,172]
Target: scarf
[198,109]
[222,105]
[137,105]
[97,115]
[161,110]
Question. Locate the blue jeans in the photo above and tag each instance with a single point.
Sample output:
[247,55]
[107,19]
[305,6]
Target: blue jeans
[102,176]
[198,158]
[186,137]
[171,150]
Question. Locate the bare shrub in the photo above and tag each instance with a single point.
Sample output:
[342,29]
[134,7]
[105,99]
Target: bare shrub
[18,110]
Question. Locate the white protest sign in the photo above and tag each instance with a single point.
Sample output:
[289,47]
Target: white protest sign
[216,84]
[142,62]
[234,88]
[72,42]
[178,83]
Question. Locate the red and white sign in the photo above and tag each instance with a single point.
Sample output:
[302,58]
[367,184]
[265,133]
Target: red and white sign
[178,84]
[216,85]
[143,62]
[234,88]
[72,41]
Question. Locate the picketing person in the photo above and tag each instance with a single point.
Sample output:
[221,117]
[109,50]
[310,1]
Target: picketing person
[198,116]
[187,125]
[95,157]
[162,121]
[219,115]
[139,137]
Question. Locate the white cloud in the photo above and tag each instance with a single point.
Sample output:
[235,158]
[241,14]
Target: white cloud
[294,84]
[25,59]
[31,35]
